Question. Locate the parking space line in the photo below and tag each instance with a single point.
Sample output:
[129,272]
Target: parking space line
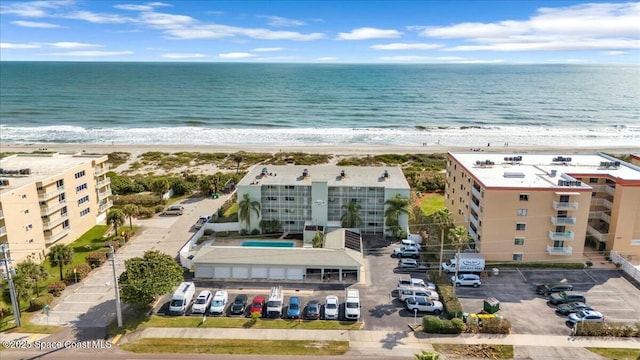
[521,274]
[590,277]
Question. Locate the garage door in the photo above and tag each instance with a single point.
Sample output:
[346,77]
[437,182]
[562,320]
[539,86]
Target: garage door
[204,271]
[222,272]
[240,272]
[277,273]
[259,272]
[294,273]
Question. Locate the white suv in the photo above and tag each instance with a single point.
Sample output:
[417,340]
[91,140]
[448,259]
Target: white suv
[331,307]
[406,252]
[466,280]
[202,302]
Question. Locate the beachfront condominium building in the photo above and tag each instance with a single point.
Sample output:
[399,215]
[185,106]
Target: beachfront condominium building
[48,199]
[543,207]
[305,198]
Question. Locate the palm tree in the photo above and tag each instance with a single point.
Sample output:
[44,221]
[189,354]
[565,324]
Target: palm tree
[130,210]
[396,206]
[459,237]
[115,217]
[442,220]
[350,218]
[60,255]
[245,206]
[32,271]
[318,240]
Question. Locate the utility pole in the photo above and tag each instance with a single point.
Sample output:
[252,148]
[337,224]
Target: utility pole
[116,287]
[12,289]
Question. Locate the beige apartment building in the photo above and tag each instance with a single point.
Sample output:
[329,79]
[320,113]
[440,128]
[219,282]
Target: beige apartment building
[542,207]
[48,199]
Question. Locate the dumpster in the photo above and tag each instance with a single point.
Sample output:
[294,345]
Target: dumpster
[491,305]
[215,196]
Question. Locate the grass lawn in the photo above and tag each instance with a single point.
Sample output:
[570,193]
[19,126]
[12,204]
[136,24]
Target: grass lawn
[231,210]
[481,351]
[618,354]
[237,346]
[431,202]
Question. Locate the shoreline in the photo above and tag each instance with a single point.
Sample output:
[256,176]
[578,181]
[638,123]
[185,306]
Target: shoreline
[336,150]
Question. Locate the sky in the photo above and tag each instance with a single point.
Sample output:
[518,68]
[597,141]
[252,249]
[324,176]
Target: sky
[418,31]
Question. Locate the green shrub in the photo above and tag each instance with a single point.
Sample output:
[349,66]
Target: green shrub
[40,302]
[426,355]
[207,232]
[434,325]
[158,209]
[96,259]
[589,263]
[222,234]
[606,329]
[495,326]
[82,270]
[450,302]
[56,288]
[146,212]
[244,232]
[255,232]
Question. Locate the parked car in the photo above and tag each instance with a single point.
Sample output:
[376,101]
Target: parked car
[572,307]
[407,280]
[566,297]
[293,310]
[257,305]
[411,265]
[423,304]
[466,280]
[173,210]
[331,307]
[403,293]
[550,288]
[219,302]
[585,316]
[406,252]
[202,302]
[201,221]
[239,305]
[407,242]
[312,310]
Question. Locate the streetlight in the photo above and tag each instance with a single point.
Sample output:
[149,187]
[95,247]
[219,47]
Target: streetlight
[12,289]
[116,287]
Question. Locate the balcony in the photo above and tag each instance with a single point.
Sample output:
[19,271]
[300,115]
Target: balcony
[475,207]
[50,239]
[52,223]
[104,207]
[51,194]
[103,183]
[48,210]
[1,215]
[474,220]
[3,231]
[474,235]
[602,202]
[561,236]
[100,170]
[563,220]
[103,194]
[600,215]
[559,250]
[562,205]
[597,234]
[611,190]
[476,192]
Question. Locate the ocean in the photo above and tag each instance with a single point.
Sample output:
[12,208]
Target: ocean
[319,104]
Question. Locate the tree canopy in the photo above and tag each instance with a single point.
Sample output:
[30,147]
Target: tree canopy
[245,206]
[60,255]
[350,218]
[147,277]
[396,206]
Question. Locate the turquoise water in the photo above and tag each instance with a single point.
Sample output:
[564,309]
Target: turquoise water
[319,104]
[260,243]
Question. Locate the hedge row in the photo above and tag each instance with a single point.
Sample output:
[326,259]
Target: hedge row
[435,325]
[490,326]
[450,302]
[148,200]
[606,329]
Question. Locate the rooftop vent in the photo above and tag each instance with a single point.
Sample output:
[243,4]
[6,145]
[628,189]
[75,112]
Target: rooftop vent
[513,175]
[553,173]
[569,183]
[26,171]
[305,173]
[385,174]
[610,164]
[513,158]
[485,163]
[561,159]
[265,172]
[342,173]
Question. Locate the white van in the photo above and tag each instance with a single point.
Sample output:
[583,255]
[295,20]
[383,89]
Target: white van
[219,302]
[274,304]
[182,298]
[352,304]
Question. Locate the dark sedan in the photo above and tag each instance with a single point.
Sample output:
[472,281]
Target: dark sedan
[572,307]
[550,288]
[239,305]
[312,310]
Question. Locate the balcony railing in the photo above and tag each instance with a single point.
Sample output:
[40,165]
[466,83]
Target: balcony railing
[562,205]
[47,210]
[50,239]
[597,234]
[561,236]
[50,194]
[3,231]
[611,190]
[474,220]
[475,207]
[99,170]
[559,250]
[103,194]
[476,192]
[105,206]
[602,202]
[52,223]
[563,220]
[474,235]
[104,182]
[1,215]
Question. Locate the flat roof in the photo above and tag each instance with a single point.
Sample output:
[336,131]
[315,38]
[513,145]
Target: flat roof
[42,167]
[515,170]
[363,176]
[308,257]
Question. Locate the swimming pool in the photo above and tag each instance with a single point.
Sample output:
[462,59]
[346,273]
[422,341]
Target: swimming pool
[267,243]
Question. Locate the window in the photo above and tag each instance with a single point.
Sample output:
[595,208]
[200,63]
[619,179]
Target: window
[518,241]
[82,187]
[272,198]
[83,200]
[85,212]
[593,194]
[524,197]
[61,197]
[454,179]
[593,180]
[289,198]
[63,211]
[79,174]
[522,212]
[60,183]
[272,210]
[65,224]
[517,257]
[289,187]
[521,227]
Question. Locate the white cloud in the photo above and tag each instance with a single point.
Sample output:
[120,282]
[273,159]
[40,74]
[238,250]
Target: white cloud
[267,49]
[133,7]
[33,24]
[236,55]
[616,53]
[18,46]
[158,4]
[278,21]
[92,53]
[327,58]
[405,46]
[183,56]
[34,9]
[97,18]
[166,21]
[72,45]
[366,33]
[579,27]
